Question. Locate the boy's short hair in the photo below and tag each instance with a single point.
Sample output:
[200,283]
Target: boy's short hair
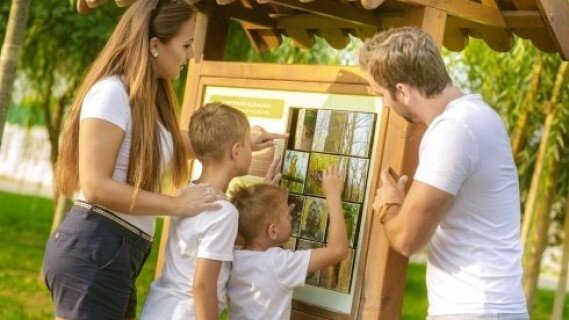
[257,205]
[405,55]
[215,127]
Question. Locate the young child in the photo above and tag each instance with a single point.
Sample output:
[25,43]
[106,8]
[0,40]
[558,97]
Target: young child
[264,275]
[200,248]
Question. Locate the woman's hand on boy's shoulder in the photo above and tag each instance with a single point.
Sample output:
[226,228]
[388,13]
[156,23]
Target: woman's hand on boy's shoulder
[196,199]
[333,181]
[261,138]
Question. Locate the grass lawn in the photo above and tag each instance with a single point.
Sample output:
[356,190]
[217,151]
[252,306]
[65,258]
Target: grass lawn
[24,228]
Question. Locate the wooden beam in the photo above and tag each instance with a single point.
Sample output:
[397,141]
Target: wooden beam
[466,9]
[82,7]
[251,16]
[371,4]
[301,37]
[455,40]
[556,14]
[95,3]
[335,37]
[525,4]
[523,19]
[365,33]
[431,20]
[499,39]
[333,9]
[124,3]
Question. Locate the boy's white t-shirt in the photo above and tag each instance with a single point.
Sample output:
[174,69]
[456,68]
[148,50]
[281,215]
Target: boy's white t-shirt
[473,262]
[108,100]
[209,235]
[262,282]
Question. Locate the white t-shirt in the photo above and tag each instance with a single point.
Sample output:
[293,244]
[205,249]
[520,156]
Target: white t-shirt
[108,100]
[262,283]
[209,235]
[473,263]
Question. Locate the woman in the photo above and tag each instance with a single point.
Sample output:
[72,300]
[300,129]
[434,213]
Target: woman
[120,136]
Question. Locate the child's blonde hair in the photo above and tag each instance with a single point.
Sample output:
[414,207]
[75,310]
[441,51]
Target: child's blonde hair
[257,206]
[215,127]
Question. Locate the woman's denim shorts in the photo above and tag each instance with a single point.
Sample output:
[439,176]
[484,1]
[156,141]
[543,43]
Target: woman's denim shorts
[90,266]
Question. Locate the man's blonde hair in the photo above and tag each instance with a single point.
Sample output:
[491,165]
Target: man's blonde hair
[214,128]
[405,55]
[257,206]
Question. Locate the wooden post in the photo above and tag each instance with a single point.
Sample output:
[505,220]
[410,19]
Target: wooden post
[385,269]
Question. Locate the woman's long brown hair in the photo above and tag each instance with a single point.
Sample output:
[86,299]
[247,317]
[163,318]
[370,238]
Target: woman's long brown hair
[127,54]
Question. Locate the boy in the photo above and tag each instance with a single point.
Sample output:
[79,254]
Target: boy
[264,275]
[200,248]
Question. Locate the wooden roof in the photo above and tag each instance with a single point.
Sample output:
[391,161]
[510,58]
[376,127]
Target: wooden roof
[544,22]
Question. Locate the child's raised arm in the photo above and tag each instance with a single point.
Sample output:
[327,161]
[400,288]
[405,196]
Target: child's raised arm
[337,248]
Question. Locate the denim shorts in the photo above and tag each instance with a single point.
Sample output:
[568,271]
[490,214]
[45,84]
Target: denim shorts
[90,267]
[498,316]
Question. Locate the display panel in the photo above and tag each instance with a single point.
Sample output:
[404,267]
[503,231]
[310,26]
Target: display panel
[337,138]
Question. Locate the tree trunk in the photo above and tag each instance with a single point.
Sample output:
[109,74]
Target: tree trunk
[537,213]
[10,55]
[557,313]
[526,107]
[537,242]
[534,186]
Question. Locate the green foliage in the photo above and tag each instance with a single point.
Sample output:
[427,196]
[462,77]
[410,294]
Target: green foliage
[24,228]
[60,45]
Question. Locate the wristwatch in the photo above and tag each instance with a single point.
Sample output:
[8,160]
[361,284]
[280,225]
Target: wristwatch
[384,209]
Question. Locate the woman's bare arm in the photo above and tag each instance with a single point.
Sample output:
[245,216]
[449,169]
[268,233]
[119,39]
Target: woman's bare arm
[99,145]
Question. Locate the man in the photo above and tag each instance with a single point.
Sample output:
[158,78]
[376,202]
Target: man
[464,203]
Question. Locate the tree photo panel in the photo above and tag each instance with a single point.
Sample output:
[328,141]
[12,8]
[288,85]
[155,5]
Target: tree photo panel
[305,126]
[329,130]
[317,164]
[312,278]
[314,219]
[339,276]
[356,138]
[296,213]
[295,165]
[356,179]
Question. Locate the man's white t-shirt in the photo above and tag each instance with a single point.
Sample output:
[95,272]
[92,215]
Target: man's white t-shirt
[209,235]
[108,100]
[262,282]
[473,263]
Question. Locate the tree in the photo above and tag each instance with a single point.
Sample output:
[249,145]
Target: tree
[542,191]
[59,47]
[10,54]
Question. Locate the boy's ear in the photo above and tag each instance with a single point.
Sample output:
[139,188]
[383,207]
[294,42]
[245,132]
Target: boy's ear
[234,151]
[272,230]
